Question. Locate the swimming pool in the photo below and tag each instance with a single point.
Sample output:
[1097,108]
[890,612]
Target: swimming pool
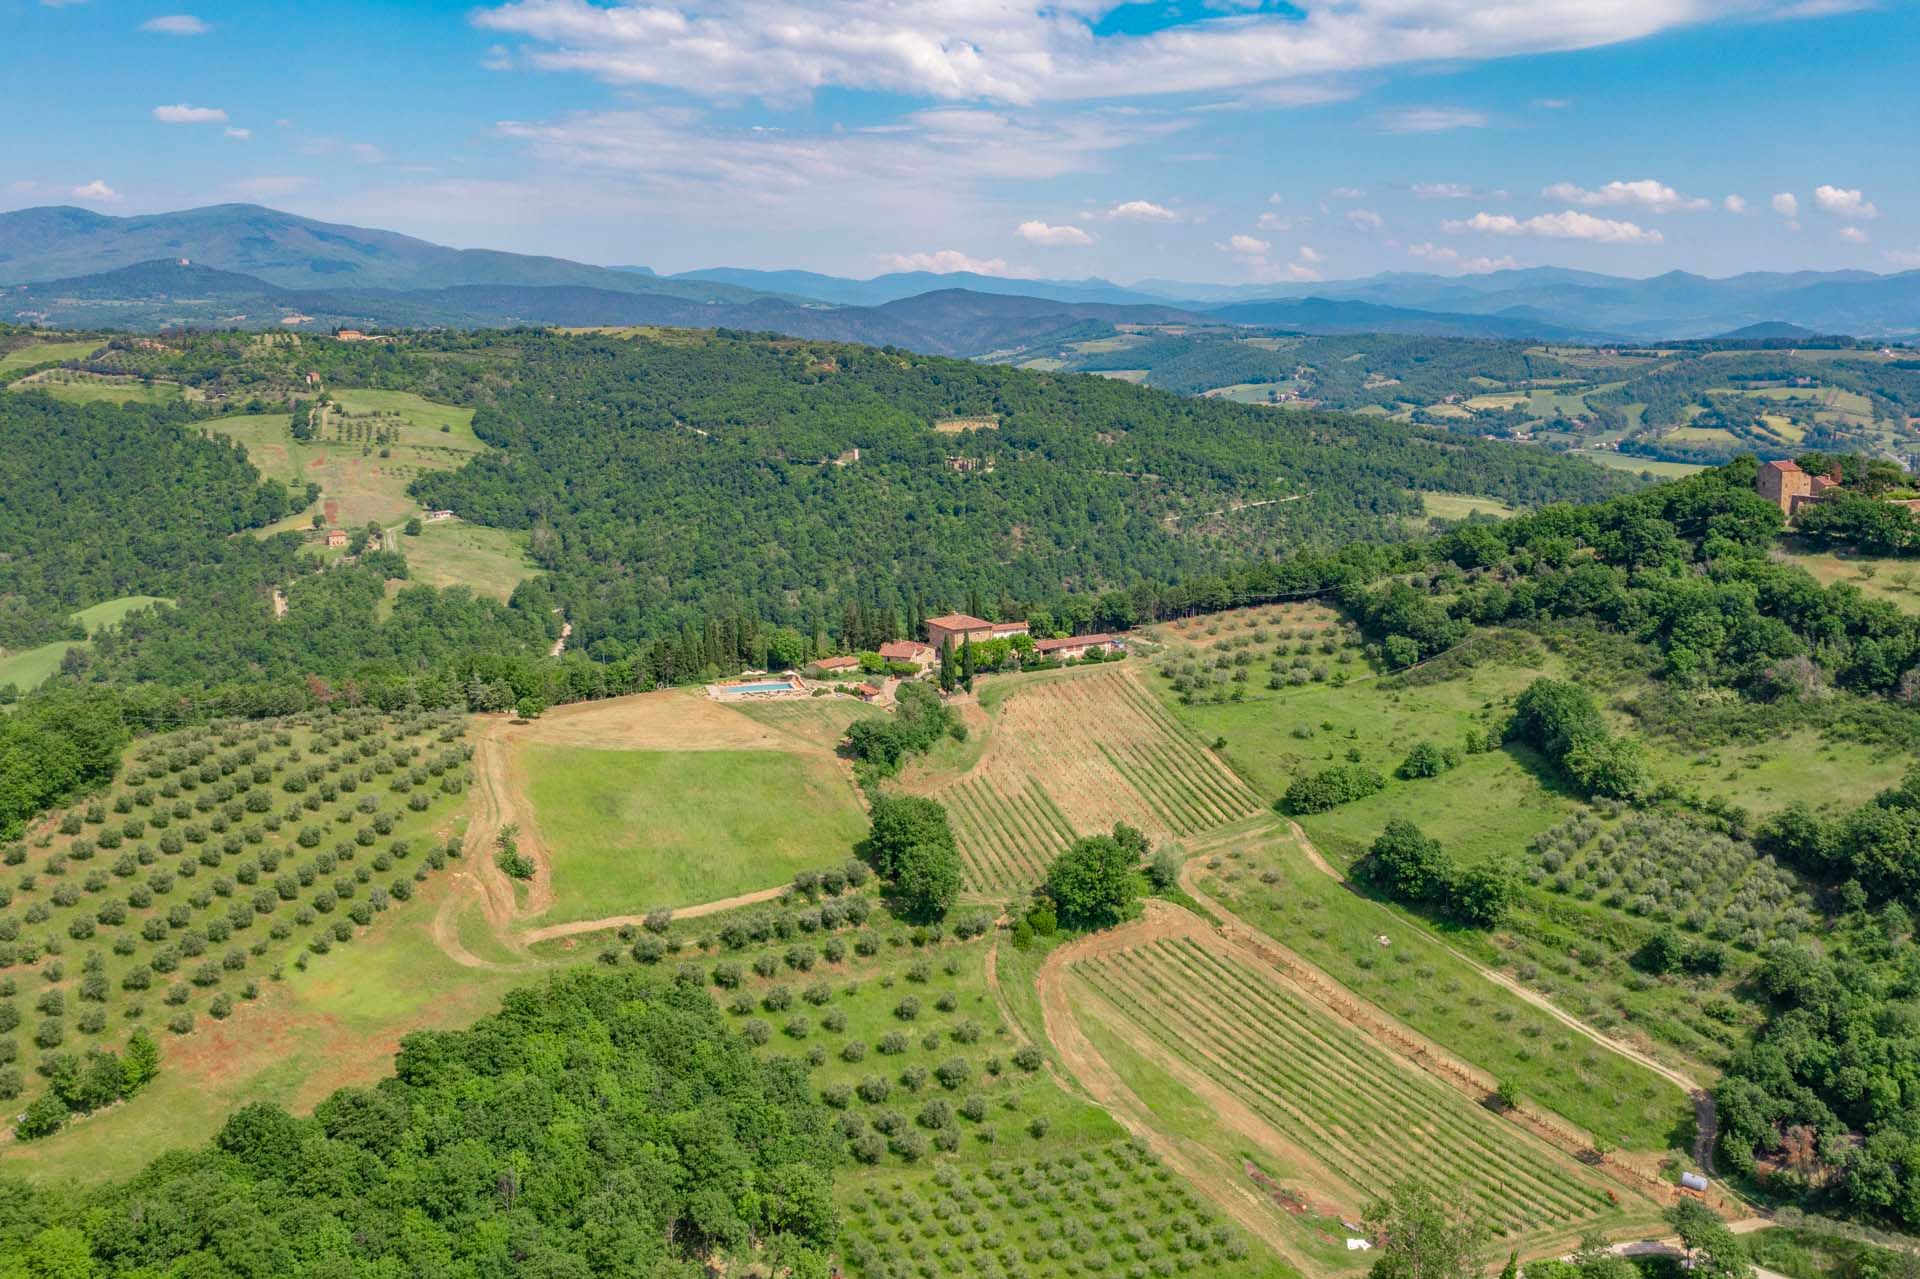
[771,686]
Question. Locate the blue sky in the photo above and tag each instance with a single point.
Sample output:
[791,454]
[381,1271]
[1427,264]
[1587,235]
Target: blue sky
[1225,140]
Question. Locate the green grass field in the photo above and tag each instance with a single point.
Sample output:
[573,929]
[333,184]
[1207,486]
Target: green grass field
[46,353]
[635,830]
[1458,506]
[455,553]
[1638,465]
[1893,578]
[29,668]
[78,389]
[358,485]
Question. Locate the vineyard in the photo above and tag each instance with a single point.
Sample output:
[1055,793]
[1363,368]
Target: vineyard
[220,857]
[1366,1117]
[1073,756]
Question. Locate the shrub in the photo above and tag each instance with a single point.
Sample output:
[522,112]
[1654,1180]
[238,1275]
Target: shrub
[1329,788]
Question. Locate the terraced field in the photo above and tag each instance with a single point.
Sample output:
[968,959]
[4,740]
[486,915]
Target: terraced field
[1072,756]
[1367,1117]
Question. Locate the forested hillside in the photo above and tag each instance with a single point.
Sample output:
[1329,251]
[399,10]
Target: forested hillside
[666,481]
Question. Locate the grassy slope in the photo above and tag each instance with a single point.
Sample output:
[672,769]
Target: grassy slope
[46,352]
[30,667]
[634,830]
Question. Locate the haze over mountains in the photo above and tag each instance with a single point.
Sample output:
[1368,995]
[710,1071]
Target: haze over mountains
[251,266]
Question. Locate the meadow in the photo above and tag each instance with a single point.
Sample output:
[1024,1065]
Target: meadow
[90,388]
[1458,506]
[28,668]
[490,561]
[25,357]
[648,829]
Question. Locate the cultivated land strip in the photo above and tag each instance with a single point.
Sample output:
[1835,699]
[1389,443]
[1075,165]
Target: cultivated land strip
[1706,1123]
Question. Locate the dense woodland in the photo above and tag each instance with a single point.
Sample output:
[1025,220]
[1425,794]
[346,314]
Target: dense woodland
[604,1124]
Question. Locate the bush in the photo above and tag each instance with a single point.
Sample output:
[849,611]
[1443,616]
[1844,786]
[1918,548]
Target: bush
[1427,759]
[1329,788]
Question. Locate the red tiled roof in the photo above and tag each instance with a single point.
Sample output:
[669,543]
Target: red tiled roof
[837,663]
[959,622]
[1785,464]
[1076,641]
[901,650]
[868,690]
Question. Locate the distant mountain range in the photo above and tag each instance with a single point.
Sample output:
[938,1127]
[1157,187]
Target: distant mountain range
[246,265]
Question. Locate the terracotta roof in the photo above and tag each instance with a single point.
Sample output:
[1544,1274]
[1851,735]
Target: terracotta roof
[1076,641]
[868,690]
[902,649]
[1785,464]
[837,663]
[959,622]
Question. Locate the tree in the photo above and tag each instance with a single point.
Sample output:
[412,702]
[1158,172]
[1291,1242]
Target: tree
[926,878]
[142,1060]
[412,527]
[1407,865]
[896,823]
[1425,1236]
[1712,1250]
[1427,759]
[1095,883]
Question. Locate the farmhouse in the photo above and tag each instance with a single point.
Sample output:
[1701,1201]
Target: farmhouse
[910,652]
[955,627]
[1790,488]
[336,537]
[1077,646]
[848,663]
[433,517]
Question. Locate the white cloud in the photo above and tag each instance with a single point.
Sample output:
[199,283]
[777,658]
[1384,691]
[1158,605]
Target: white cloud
[96,191]
[1021,52]
[176,24]
[1276,198]
[1274,222]
[1786,204]
[181,113]
[366,153]
[1734,204]
[1641,193]
[1365,219]
[241,134]
[945,262]
[497,59]
[1843,202]
[1348,193]
[1907,258]
[1038,232]
[1570,225]
[1553,104]
[1430,119]
[1143,211]
[1255,255]
[1445,255]
[1444,190]
[1853,235]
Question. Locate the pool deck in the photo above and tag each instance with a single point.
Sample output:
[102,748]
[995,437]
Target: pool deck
[744,690]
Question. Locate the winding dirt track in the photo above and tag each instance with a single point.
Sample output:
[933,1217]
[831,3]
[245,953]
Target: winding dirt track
[1706,1125]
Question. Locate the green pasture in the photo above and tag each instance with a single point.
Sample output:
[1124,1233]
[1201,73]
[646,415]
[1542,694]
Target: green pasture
[455,553]
[46,353]
[630,831]
[1458,506]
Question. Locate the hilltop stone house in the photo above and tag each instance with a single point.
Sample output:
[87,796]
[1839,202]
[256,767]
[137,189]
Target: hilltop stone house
[953,628]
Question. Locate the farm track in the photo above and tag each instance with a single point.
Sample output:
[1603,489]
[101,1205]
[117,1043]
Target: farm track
[1706,1120]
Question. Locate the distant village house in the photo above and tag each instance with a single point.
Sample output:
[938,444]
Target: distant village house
[336,537]
[831,664]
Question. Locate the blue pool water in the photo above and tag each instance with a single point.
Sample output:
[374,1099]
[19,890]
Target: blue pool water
[773,686]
